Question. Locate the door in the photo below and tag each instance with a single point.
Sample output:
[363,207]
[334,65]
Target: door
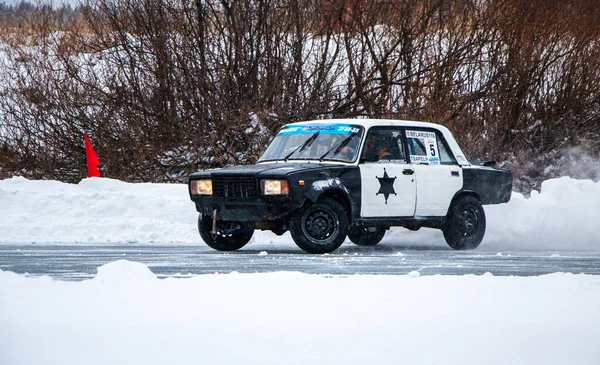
[387,179]
[437,174]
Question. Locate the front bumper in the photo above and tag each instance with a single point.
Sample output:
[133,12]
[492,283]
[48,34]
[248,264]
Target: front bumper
[258,209]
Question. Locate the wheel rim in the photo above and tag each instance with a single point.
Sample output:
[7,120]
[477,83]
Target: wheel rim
[320,225]
[468,222]
[228,230]
[371,231]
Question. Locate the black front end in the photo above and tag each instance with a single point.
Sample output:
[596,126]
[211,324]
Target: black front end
[237,192]
[238,198]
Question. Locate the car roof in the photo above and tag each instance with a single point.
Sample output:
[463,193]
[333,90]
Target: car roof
[369,123]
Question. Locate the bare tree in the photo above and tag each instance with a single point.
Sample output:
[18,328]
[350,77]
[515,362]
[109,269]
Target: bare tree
[164,88]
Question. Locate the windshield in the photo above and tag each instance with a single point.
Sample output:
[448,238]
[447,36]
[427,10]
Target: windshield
[338,142]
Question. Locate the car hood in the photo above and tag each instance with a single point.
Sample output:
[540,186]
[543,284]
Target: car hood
[262,170]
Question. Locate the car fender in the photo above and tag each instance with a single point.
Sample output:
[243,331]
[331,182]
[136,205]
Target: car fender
[461,193]
[318,187]
[328,185]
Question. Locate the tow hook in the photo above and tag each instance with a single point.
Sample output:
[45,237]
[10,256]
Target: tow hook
[214,223]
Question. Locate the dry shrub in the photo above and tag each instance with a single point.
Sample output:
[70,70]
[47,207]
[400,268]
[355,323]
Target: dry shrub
[164,88]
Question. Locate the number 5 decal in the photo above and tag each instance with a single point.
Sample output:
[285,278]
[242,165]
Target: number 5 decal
[432,149]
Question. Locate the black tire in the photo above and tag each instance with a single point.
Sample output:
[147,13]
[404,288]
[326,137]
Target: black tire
[465,224]
[321,227]
[366,236]
[229,236]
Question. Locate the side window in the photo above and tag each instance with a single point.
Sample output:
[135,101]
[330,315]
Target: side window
[423,147]
[384,145]
[445,157]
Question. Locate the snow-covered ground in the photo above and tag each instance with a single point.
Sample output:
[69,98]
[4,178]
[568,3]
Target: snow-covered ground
[98,210]
[125,315]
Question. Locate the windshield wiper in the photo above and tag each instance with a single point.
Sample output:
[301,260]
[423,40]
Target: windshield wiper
[338,146]
[303,146]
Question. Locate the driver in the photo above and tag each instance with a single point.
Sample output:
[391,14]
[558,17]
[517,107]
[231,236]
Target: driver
[375,151]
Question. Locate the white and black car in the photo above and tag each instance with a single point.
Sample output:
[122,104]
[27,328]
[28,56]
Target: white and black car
[325,180]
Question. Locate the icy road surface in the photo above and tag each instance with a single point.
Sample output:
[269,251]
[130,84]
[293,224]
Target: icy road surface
[81,262]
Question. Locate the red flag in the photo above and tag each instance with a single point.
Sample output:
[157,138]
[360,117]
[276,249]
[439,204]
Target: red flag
[91,157]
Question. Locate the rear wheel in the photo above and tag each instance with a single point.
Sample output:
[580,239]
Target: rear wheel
[465,224]
[366,236]
[230,236]
[320,227]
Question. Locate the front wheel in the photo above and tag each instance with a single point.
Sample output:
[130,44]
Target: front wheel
[228,237]
[465,224]
[320,227]
[366,236]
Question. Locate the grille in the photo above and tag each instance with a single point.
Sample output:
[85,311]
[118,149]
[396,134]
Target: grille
[235,187]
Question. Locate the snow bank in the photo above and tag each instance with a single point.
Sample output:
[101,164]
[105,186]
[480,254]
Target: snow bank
[127,316]
[96,210]
[99,210]
[563,216]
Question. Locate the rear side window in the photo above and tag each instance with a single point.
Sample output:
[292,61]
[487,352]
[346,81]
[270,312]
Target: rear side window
[445,157]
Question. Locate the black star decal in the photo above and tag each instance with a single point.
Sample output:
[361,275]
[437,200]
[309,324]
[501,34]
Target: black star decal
[387,185]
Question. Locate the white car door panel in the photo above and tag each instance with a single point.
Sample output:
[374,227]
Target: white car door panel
[388,190]
[436,186]
[388,183]
[436,172]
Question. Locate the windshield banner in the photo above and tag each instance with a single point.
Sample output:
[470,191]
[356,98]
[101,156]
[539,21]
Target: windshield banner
[322,129]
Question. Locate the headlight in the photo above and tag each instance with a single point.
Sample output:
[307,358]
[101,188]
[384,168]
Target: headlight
[275,187]
[201,187]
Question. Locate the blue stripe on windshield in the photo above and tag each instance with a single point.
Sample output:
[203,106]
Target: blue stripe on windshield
[322,129]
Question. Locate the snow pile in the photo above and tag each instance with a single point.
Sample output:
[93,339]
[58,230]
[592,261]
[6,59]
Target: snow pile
[127,316]
[96,210]
[562,216]
[99,210]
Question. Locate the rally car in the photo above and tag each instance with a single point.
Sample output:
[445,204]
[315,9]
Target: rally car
[327,180]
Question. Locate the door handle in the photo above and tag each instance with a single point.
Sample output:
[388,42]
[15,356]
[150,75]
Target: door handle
[455,173]
[408,172]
